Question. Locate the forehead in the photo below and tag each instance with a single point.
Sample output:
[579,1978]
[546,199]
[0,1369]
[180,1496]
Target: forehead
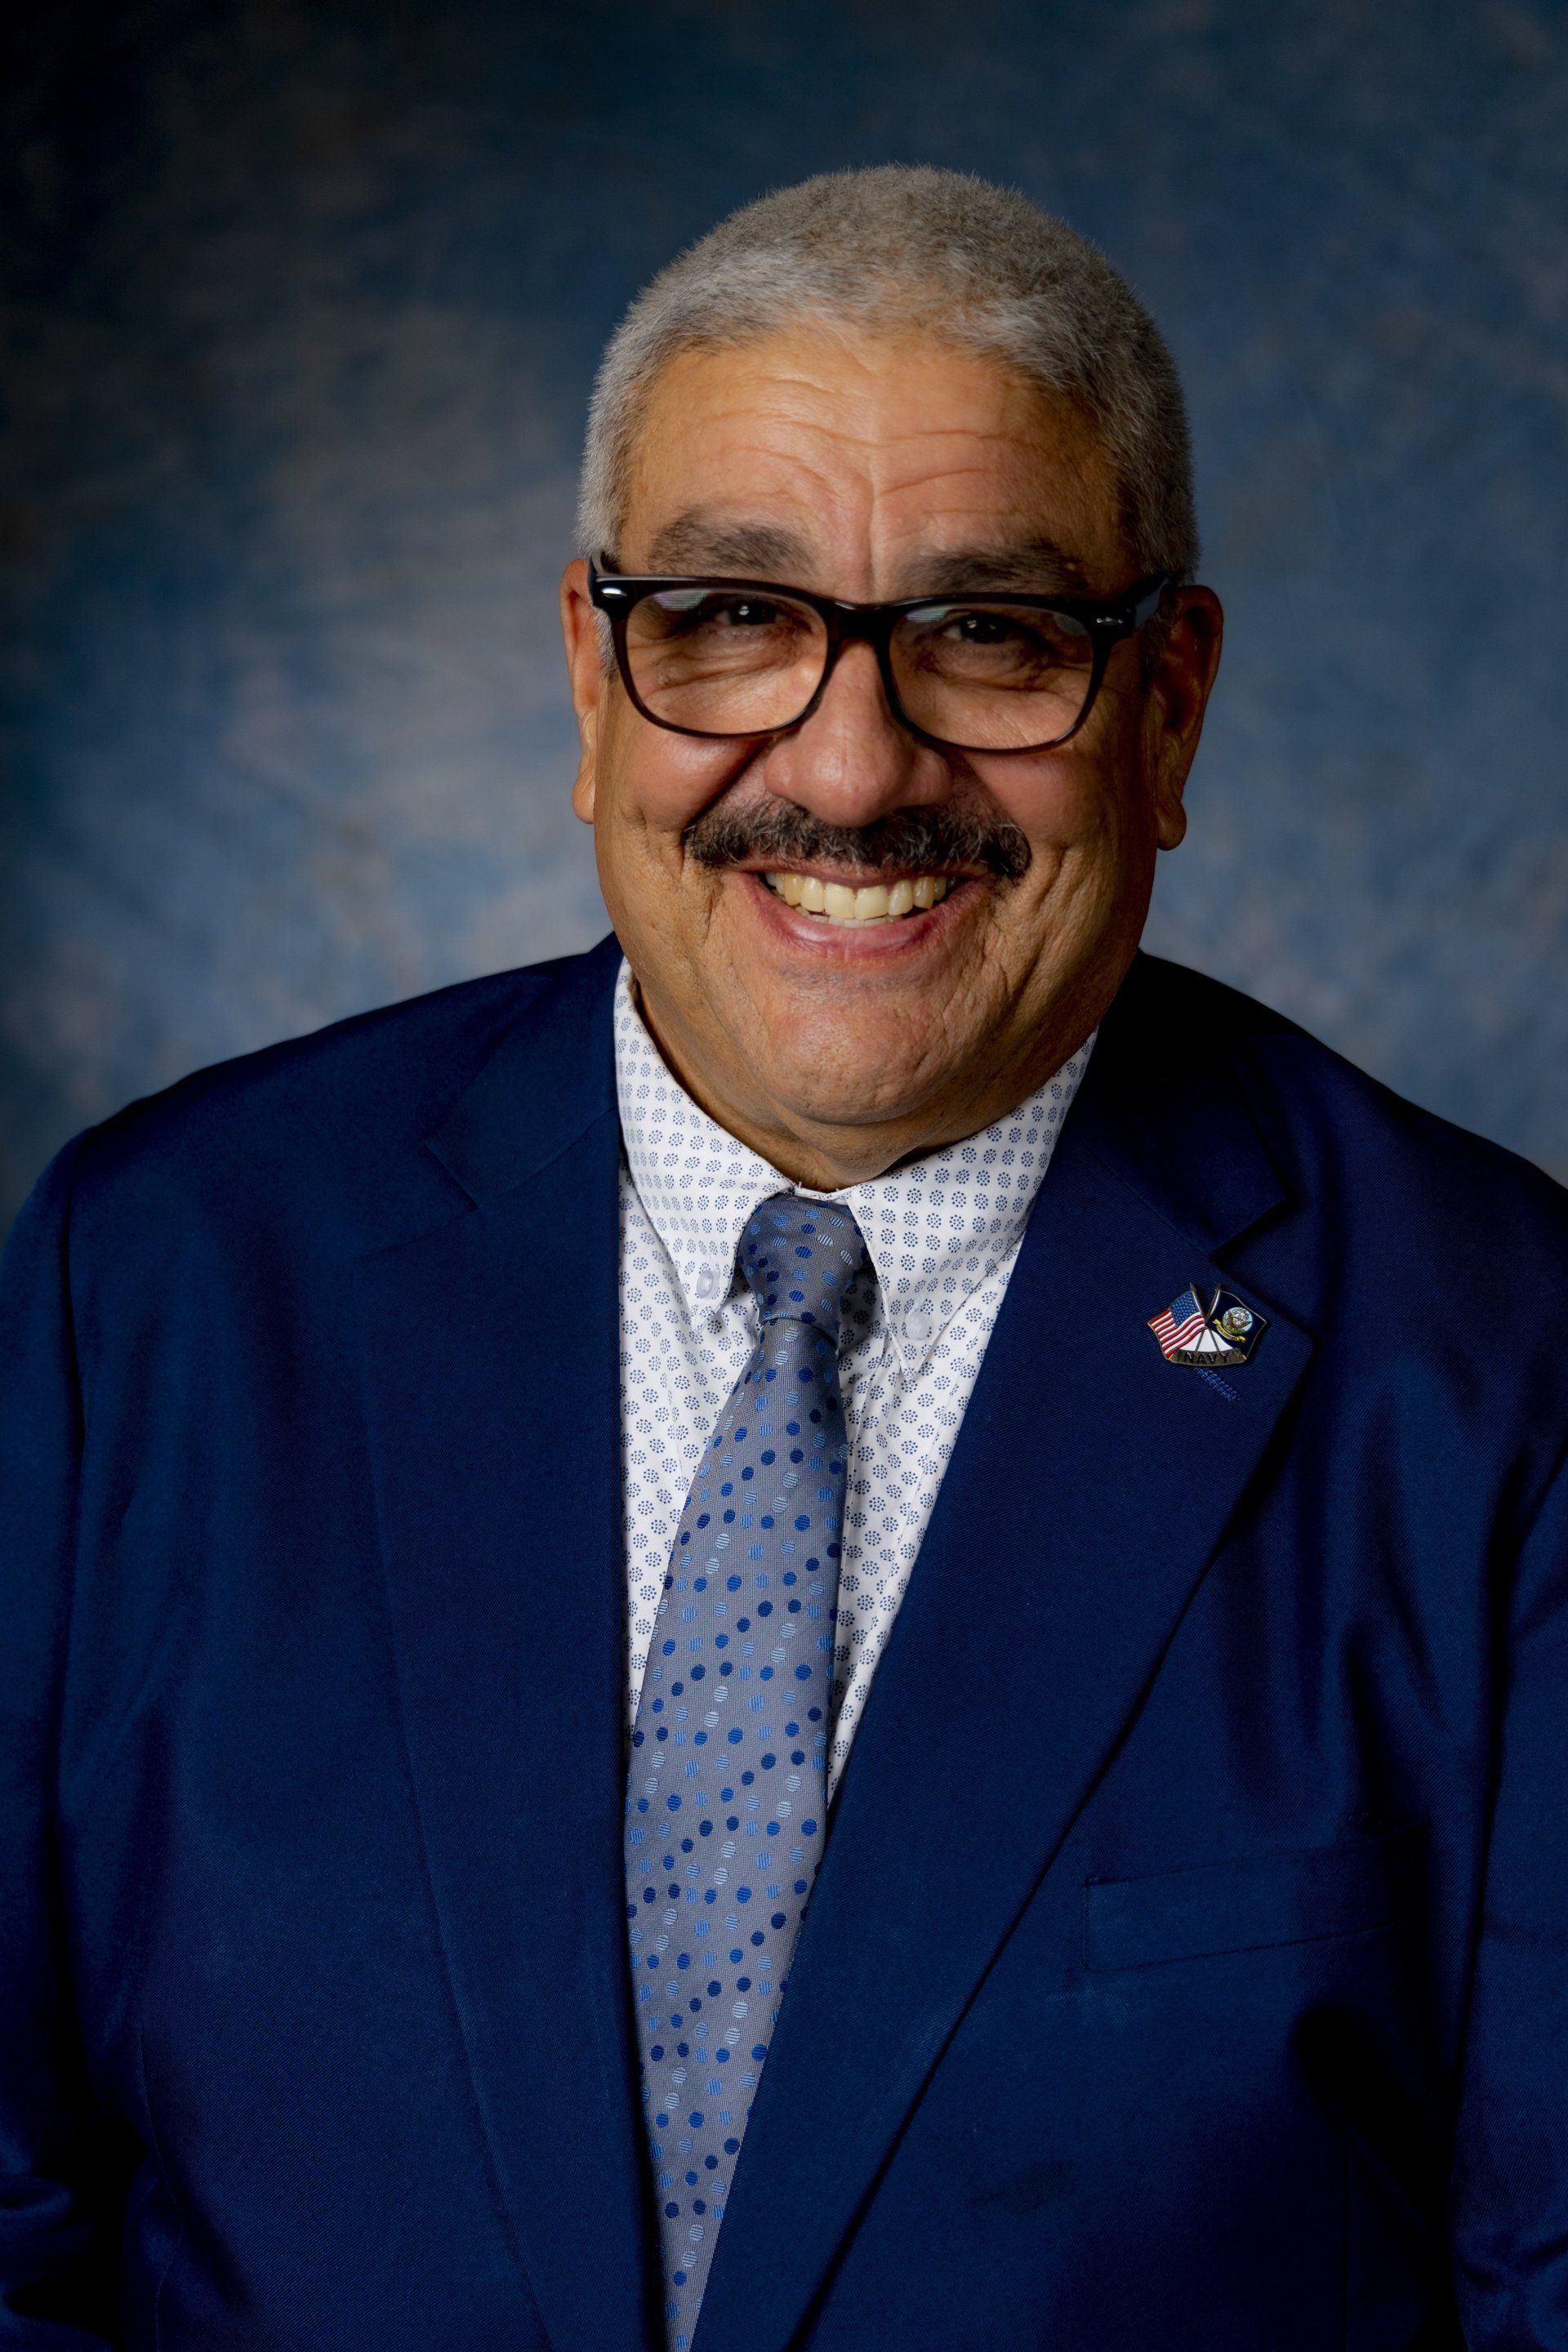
[848,461]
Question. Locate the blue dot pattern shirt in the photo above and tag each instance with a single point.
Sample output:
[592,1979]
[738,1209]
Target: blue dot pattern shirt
[727,1789]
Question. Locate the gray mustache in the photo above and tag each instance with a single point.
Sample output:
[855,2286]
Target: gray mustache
[921,840]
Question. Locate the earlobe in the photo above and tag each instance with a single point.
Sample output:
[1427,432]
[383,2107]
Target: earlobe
[584,790]
[1170,820]
[1169,757]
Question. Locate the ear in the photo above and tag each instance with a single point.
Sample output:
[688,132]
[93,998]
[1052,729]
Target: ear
[585,667]
[1176,698]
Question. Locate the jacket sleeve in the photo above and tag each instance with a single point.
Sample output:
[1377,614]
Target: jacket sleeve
[59,2227]
[1510,2205]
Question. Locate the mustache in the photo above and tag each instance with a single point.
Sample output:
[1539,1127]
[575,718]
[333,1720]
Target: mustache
[917,840]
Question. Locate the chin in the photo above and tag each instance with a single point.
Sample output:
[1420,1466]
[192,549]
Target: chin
[856,1081]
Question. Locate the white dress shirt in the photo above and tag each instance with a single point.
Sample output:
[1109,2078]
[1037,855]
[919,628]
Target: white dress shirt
[941,1237]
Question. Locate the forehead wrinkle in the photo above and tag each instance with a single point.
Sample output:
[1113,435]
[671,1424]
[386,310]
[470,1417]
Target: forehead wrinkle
[924,453]
[957,463]
[1030,505]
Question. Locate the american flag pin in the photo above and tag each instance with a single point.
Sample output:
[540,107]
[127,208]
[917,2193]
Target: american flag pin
[1224,1331]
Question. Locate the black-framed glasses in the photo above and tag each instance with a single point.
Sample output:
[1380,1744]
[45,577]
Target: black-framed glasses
[967,673]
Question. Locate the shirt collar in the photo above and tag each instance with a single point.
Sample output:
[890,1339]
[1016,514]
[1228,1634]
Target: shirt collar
[935,1230]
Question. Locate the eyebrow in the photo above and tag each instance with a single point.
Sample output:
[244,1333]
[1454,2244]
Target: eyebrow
[1036,566]
[696,542]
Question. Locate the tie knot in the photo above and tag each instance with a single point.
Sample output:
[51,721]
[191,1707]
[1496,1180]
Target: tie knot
[800,1258]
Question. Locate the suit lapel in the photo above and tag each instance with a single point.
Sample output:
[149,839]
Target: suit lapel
[491,1347]
[1090,1487]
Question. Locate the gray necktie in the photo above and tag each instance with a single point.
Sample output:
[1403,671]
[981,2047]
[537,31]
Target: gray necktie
[726,1798]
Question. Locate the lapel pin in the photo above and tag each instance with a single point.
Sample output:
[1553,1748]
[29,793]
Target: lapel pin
[1225,1331]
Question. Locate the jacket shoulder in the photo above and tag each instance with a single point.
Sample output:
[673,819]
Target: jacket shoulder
[1372,1162]
[321,1126]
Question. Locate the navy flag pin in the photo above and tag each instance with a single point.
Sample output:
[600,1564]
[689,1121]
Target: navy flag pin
[1223,1332]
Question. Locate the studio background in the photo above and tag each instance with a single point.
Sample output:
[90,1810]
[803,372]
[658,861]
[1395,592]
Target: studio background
[301,308]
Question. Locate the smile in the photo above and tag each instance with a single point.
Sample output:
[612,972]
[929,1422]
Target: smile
[880,902]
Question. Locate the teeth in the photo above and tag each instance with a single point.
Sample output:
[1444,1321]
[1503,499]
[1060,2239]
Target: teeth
[876,903]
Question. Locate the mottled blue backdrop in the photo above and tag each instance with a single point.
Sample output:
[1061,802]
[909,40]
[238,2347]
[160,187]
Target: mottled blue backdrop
[302,306]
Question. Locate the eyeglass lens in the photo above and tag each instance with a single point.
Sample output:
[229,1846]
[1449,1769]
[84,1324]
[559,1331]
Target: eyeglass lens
[998,678]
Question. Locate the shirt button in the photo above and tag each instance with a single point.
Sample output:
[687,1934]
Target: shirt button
[707,1283]
[918,1329]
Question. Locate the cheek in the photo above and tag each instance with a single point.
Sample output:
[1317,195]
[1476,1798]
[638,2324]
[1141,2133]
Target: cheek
[1058,803]
[1086,798]
[659,781]
[655,784]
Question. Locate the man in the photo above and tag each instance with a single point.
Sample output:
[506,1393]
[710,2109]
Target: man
[843,1627]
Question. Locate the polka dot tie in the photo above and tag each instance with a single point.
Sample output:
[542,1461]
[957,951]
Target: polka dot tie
[726,1796]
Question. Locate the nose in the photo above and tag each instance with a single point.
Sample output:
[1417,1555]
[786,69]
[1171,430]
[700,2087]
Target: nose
[851,761]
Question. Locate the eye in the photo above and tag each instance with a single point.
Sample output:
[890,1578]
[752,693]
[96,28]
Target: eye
[716,612]
[981,628]
[1006,643]
[750,612]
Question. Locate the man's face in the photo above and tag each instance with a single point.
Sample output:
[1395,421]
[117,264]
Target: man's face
[873,467]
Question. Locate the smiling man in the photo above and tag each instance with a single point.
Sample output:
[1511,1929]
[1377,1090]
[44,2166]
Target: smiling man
[999,767]
[843,1627]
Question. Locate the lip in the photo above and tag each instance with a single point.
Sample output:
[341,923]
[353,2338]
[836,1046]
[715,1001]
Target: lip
[856,943]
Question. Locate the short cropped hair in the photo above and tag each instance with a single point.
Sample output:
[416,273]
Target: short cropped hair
[896,248]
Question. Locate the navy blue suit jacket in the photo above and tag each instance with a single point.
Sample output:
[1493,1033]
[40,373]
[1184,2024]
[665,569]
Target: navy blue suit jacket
[1225,2009]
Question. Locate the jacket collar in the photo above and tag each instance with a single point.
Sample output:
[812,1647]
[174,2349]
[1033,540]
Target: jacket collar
[550,1077]
[1166,1106]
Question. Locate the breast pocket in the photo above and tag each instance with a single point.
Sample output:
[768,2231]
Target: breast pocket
[1244,1907]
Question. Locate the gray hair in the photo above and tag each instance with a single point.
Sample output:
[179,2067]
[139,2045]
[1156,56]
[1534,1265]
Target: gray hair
[901,248]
